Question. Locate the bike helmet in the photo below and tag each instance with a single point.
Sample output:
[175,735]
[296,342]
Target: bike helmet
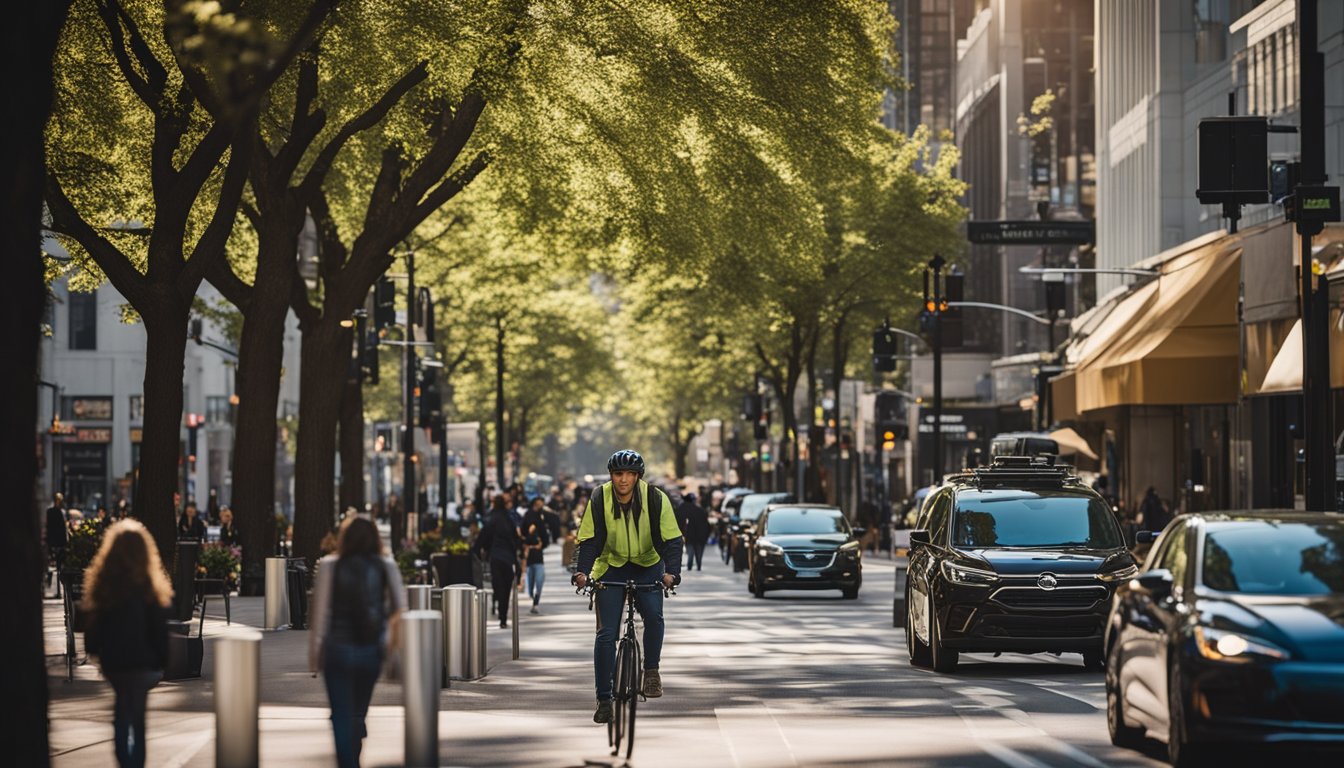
[626,460]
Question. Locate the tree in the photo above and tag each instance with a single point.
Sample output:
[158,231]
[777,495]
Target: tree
[29,48]
[144,179]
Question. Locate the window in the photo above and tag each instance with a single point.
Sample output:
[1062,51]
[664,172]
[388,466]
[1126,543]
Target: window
[217,410]
[137,409]
[83,319]
[1171,554]
[1018,519]
[1276,559]
[785,522]
[938,519]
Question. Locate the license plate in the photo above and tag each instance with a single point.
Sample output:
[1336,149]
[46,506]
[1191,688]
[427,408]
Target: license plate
[809,574]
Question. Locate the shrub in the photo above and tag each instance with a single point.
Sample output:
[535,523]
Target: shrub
[84,542]
[220,561]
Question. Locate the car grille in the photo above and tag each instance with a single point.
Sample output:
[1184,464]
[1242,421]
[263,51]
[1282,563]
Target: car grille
[1031,627]
[808,559]
[1059,599]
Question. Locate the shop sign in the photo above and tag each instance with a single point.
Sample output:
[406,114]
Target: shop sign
[101,435]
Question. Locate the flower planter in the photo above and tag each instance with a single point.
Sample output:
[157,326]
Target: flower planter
[452,569]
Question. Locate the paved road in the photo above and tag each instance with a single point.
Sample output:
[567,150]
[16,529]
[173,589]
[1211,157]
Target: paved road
[795,679]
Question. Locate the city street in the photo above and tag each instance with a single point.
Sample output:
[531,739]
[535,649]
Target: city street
[795,679]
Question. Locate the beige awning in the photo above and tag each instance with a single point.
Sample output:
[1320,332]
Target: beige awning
[1173,341]
[1072,444]
[1285,373]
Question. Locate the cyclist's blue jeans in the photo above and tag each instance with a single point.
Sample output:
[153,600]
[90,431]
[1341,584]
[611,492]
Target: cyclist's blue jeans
[611,622]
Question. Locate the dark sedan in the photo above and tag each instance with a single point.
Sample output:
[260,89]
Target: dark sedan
[805,546]
[1234,632]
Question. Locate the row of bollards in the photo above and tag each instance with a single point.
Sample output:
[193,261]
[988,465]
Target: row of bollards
[436,646]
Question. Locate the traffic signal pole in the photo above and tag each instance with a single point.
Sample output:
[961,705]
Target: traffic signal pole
[936,265]
[408,492]
[1317,419]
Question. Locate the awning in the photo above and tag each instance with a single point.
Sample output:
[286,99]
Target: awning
[1072,444]
[1172,341]
[1285,373]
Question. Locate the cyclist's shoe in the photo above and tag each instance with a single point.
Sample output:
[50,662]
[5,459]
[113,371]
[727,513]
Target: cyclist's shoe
[603,713]
[653,684]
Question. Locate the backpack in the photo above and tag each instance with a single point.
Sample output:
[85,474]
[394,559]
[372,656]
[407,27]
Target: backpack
[361,583]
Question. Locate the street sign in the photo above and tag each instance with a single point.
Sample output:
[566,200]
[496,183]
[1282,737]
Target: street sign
[1031,232]
[1312,203]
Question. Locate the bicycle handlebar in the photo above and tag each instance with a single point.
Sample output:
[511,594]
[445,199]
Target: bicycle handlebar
[592,586]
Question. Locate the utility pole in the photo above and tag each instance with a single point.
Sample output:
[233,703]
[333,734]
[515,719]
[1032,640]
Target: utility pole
[408,489]
[499,401]
[1317,419]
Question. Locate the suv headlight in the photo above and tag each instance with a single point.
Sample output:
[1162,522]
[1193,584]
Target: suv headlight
[765,548]
[1124,574]
[1221,645]
[971,577]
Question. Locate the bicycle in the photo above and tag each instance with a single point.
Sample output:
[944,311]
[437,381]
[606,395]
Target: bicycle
[628,679]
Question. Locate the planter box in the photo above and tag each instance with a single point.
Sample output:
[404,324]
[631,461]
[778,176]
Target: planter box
[452,569]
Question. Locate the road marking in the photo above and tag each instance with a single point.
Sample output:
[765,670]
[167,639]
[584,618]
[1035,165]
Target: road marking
[1009,756]
[762,741]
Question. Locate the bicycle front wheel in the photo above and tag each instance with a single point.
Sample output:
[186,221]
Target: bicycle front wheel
[620,700]
[636,690]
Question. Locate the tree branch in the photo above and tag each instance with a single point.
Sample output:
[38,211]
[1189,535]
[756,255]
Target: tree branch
[210,246]
[149,87]
[332,253]
[361,122]
[307,123]
[67,221]
[449,187]
[221,275]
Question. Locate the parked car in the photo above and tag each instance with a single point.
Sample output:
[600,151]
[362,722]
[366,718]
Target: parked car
[1233,633]
[805,546]
[1018,556]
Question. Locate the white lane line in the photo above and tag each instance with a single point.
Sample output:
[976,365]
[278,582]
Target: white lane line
[1090,701]
[758,734]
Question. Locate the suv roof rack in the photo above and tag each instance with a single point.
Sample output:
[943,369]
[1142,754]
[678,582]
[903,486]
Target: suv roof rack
[1019,472]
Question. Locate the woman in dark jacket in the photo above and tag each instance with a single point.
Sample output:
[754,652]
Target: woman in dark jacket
[228,532]
[500,540]
[126,598]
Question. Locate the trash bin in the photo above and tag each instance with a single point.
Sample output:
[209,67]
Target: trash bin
[418,597]
[476,656]
[185,652]
[296,587]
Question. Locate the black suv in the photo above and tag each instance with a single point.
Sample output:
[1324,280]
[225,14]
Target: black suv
[1017,556]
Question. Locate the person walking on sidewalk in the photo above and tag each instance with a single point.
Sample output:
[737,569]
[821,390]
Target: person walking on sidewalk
[501,541]
[357,604]
[629,533]
[126,599]
[533,543]
[695,525]
[58,536]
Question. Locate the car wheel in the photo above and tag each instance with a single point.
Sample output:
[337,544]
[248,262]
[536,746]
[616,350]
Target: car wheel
[1094,660]
[919,652]
[751,583]
[1181,752]
[756,589]
[943,659]
[850,593]
[1122,735]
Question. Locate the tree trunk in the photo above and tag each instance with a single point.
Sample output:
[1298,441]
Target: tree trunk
[161,442]
[28,48]
[323,361]
[499,402]
[815,489]
[352,440]
[839,353]
[261,356]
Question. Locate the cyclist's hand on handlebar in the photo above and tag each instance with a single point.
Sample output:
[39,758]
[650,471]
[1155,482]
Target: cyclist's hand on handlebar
[580,580]
[669,581]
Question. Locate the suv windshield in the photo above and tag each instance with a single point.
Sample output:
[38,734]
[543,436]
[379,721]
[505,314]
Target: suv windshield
[785,522]
[1036,519]
[1276,559]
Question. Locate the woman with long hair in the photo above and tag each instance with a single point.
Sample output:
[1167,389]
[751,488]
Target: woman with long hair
[126,598]
[500,540]
[349,637]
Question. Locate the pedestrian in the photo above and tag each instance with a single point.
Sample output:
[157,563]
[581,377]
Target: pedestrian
[58,535]
[350,636]
[228,531]
[1152,512]
[126,599]
[212,507]
[190,525]
[123,510]
[101,519]
[695,527]
[499,540]
[616,544]
[534,541]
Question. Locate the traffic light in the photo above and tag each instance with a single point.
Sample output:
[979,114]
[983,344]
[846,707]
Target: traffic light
[196,328]
[885,348]
[384,304]
[889,417]
[431,402]
[751,407]
[950,316]
[368,357]
[1055,299]
[761,427]
[425,315]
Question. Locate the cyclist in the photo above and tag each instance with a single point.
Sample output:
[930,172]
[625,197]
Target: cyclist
[629,533]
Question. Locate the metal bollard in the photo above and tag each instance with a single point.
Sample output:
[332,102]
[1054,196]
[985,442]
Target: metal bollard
[237,698]
[513,619]
[422,663]
[418,597]
[458,608]
[276,614]
[480,615]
